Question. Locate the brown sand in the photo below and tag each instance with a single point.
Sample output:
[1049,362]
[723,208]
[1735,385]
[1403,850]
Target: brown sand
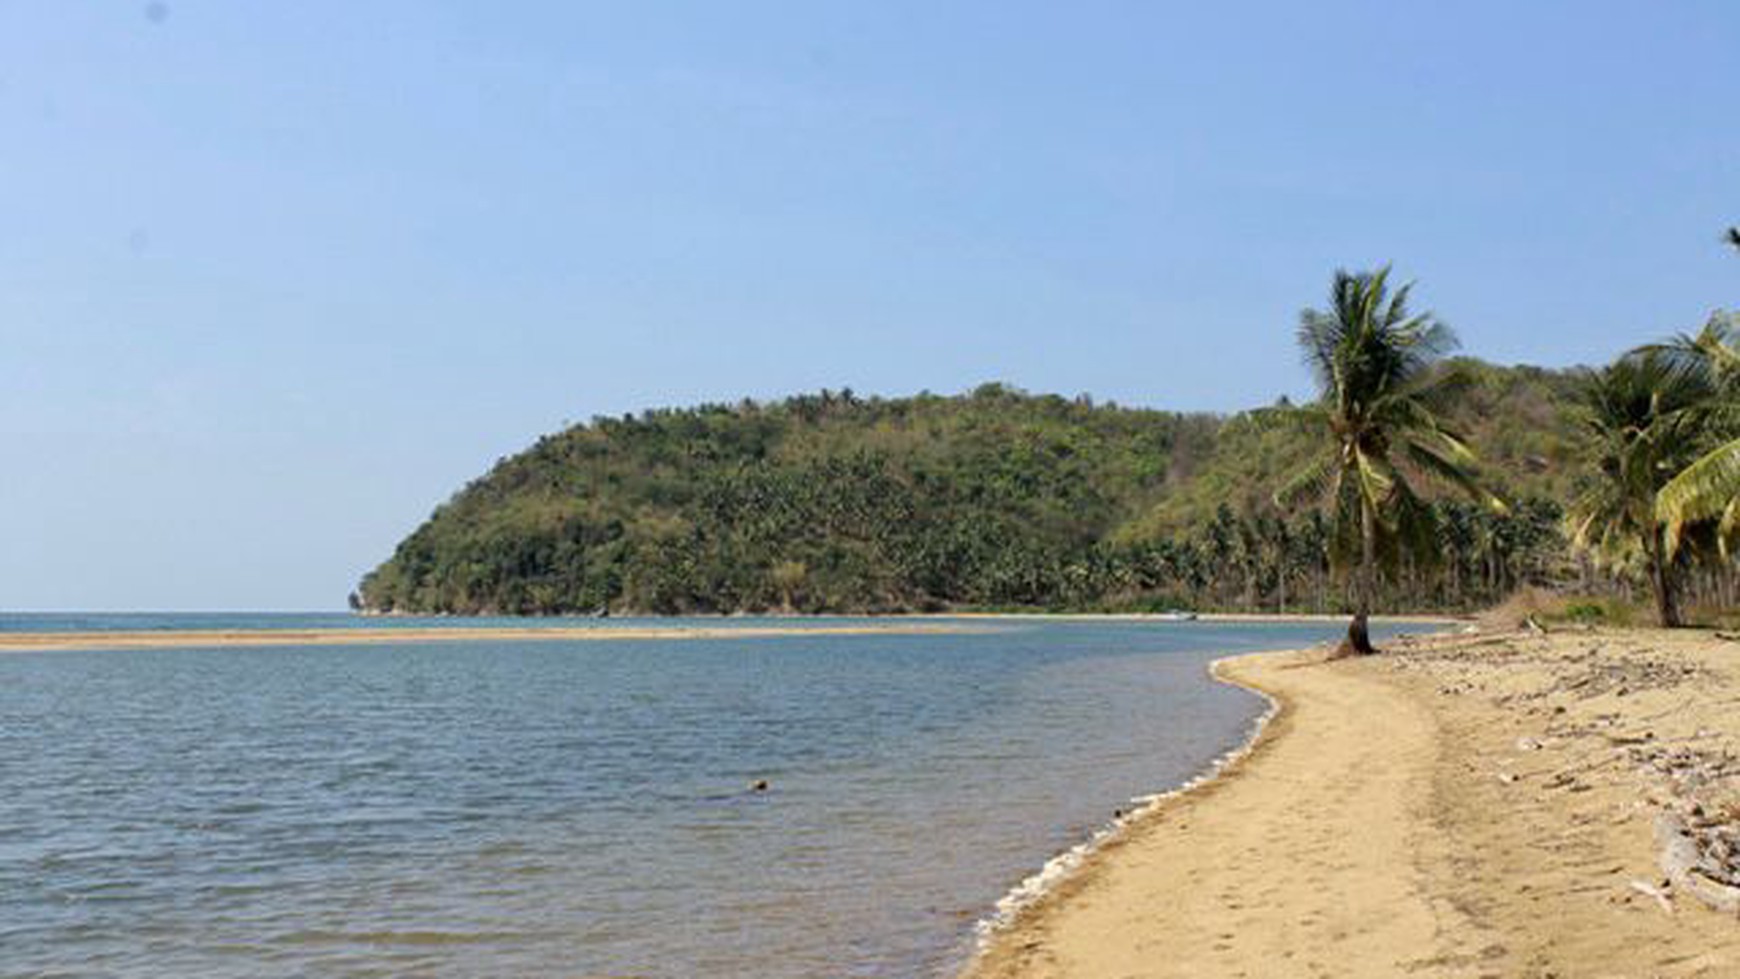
[1461,807]
[20,642]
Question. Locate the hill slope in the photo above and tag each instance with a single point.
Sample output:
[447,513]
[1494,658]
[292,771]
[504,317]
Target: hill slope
[835,503]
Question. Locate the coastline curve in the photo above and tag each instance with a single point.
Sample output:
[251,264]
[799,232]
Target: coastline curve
[1058,875]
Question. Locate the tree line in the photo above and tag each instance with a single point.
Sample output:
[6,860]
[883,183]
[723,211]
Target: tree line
[1413,481]
[831,503]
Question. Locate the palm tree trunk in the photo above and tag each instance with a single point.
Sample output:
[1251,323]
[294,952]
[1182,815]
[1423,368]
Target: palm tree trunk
[1358,641]
[1663,582]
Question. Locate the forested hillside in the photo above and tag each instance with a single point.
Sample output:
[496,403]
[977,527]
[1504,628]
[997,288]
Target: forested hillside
[992,499]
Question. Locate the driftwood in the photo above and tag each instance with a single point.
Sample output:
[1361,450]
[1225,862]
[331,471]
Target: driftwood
[1647,889]
[1688,869]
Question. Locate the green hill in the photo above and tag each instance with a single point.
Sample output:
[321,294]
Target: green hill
[995,498]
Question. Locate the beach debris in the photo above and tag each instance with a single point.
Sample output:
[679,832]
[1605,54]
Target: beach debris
[1620,740]
[1688,774]
[1705,872]
[1661,897]
[1561,779]
[759,785]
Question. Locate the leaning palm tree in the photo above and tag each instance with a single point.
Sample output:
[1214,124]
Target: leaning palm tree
[1378,419]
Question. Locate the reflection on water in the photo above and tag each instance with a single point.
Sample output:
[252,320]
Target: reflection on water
[486,808]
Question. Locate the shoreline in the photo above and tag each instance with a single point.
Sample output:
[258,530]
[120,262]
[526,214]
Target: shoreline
[1006,937]
[694,627]
[1057,871]
[1212,618]
[1463,806]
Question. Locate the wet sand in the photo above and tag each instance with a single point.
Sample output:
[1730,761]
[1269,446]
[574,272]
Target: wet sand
[1480,807]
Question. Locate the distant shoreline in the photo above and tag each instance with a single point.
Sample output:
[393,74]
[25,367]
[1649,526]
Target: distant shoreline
[900,624]
[36,642]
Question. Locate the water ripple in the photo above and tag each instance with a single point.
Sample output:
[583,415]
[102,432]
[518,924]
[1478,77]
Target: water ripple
[487,808]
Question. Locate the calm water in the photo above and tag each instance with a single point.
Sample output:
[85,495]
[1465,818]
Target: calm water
[576,808]
[164,621]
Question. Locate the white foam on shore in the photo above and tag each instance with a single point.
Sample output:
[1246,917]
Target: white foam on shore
[1058,868]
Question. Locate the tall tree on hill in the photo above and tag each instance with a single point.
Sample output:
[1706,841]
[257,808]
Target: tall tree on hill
[1382,394]
[1637,414]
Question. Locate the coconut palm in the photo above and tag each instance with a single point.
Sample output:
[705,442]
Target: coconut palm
[1383,390]
[1708,488]
[1636,415]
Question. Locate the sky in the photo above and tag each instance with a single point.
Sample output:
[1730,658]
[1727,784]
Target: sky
[276,279]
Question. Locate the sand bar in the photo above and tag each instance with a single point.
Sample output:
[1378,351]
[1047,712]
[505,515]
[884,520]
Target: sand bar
[43,641]
[1459,808]
[20,642]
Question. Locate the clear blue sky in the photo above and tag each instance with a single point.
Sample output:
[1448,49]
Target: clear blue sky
[276,278]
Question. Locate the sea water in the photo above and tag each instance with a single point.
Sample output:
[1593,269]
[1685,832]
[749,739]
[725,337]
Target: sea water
[563,808]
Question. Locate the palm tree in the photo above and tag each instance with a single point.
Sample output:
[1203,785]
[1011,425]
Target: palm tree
[1636,414]
[1708,488]
[1382,394]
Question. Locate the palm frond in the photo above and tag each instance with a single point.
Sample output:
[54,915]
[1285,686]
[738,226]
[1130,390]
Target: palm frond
[1603,520]
[1701,491]
[1319,338]
[1317,480]
[1453,470]
[1710,358]
[1726,527]
[1442,388]
[1375,479]
[1413,529]
[1406,416]
[1293,419]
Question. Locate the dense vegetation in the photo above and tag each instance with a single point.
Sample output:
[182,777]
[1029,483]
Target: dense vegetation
[1607,482]
[1603,480]
[1661,497]
[992,499]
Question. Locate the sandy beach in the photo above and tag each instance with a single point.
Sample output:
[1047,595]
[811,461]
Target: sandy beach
[1472,806]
